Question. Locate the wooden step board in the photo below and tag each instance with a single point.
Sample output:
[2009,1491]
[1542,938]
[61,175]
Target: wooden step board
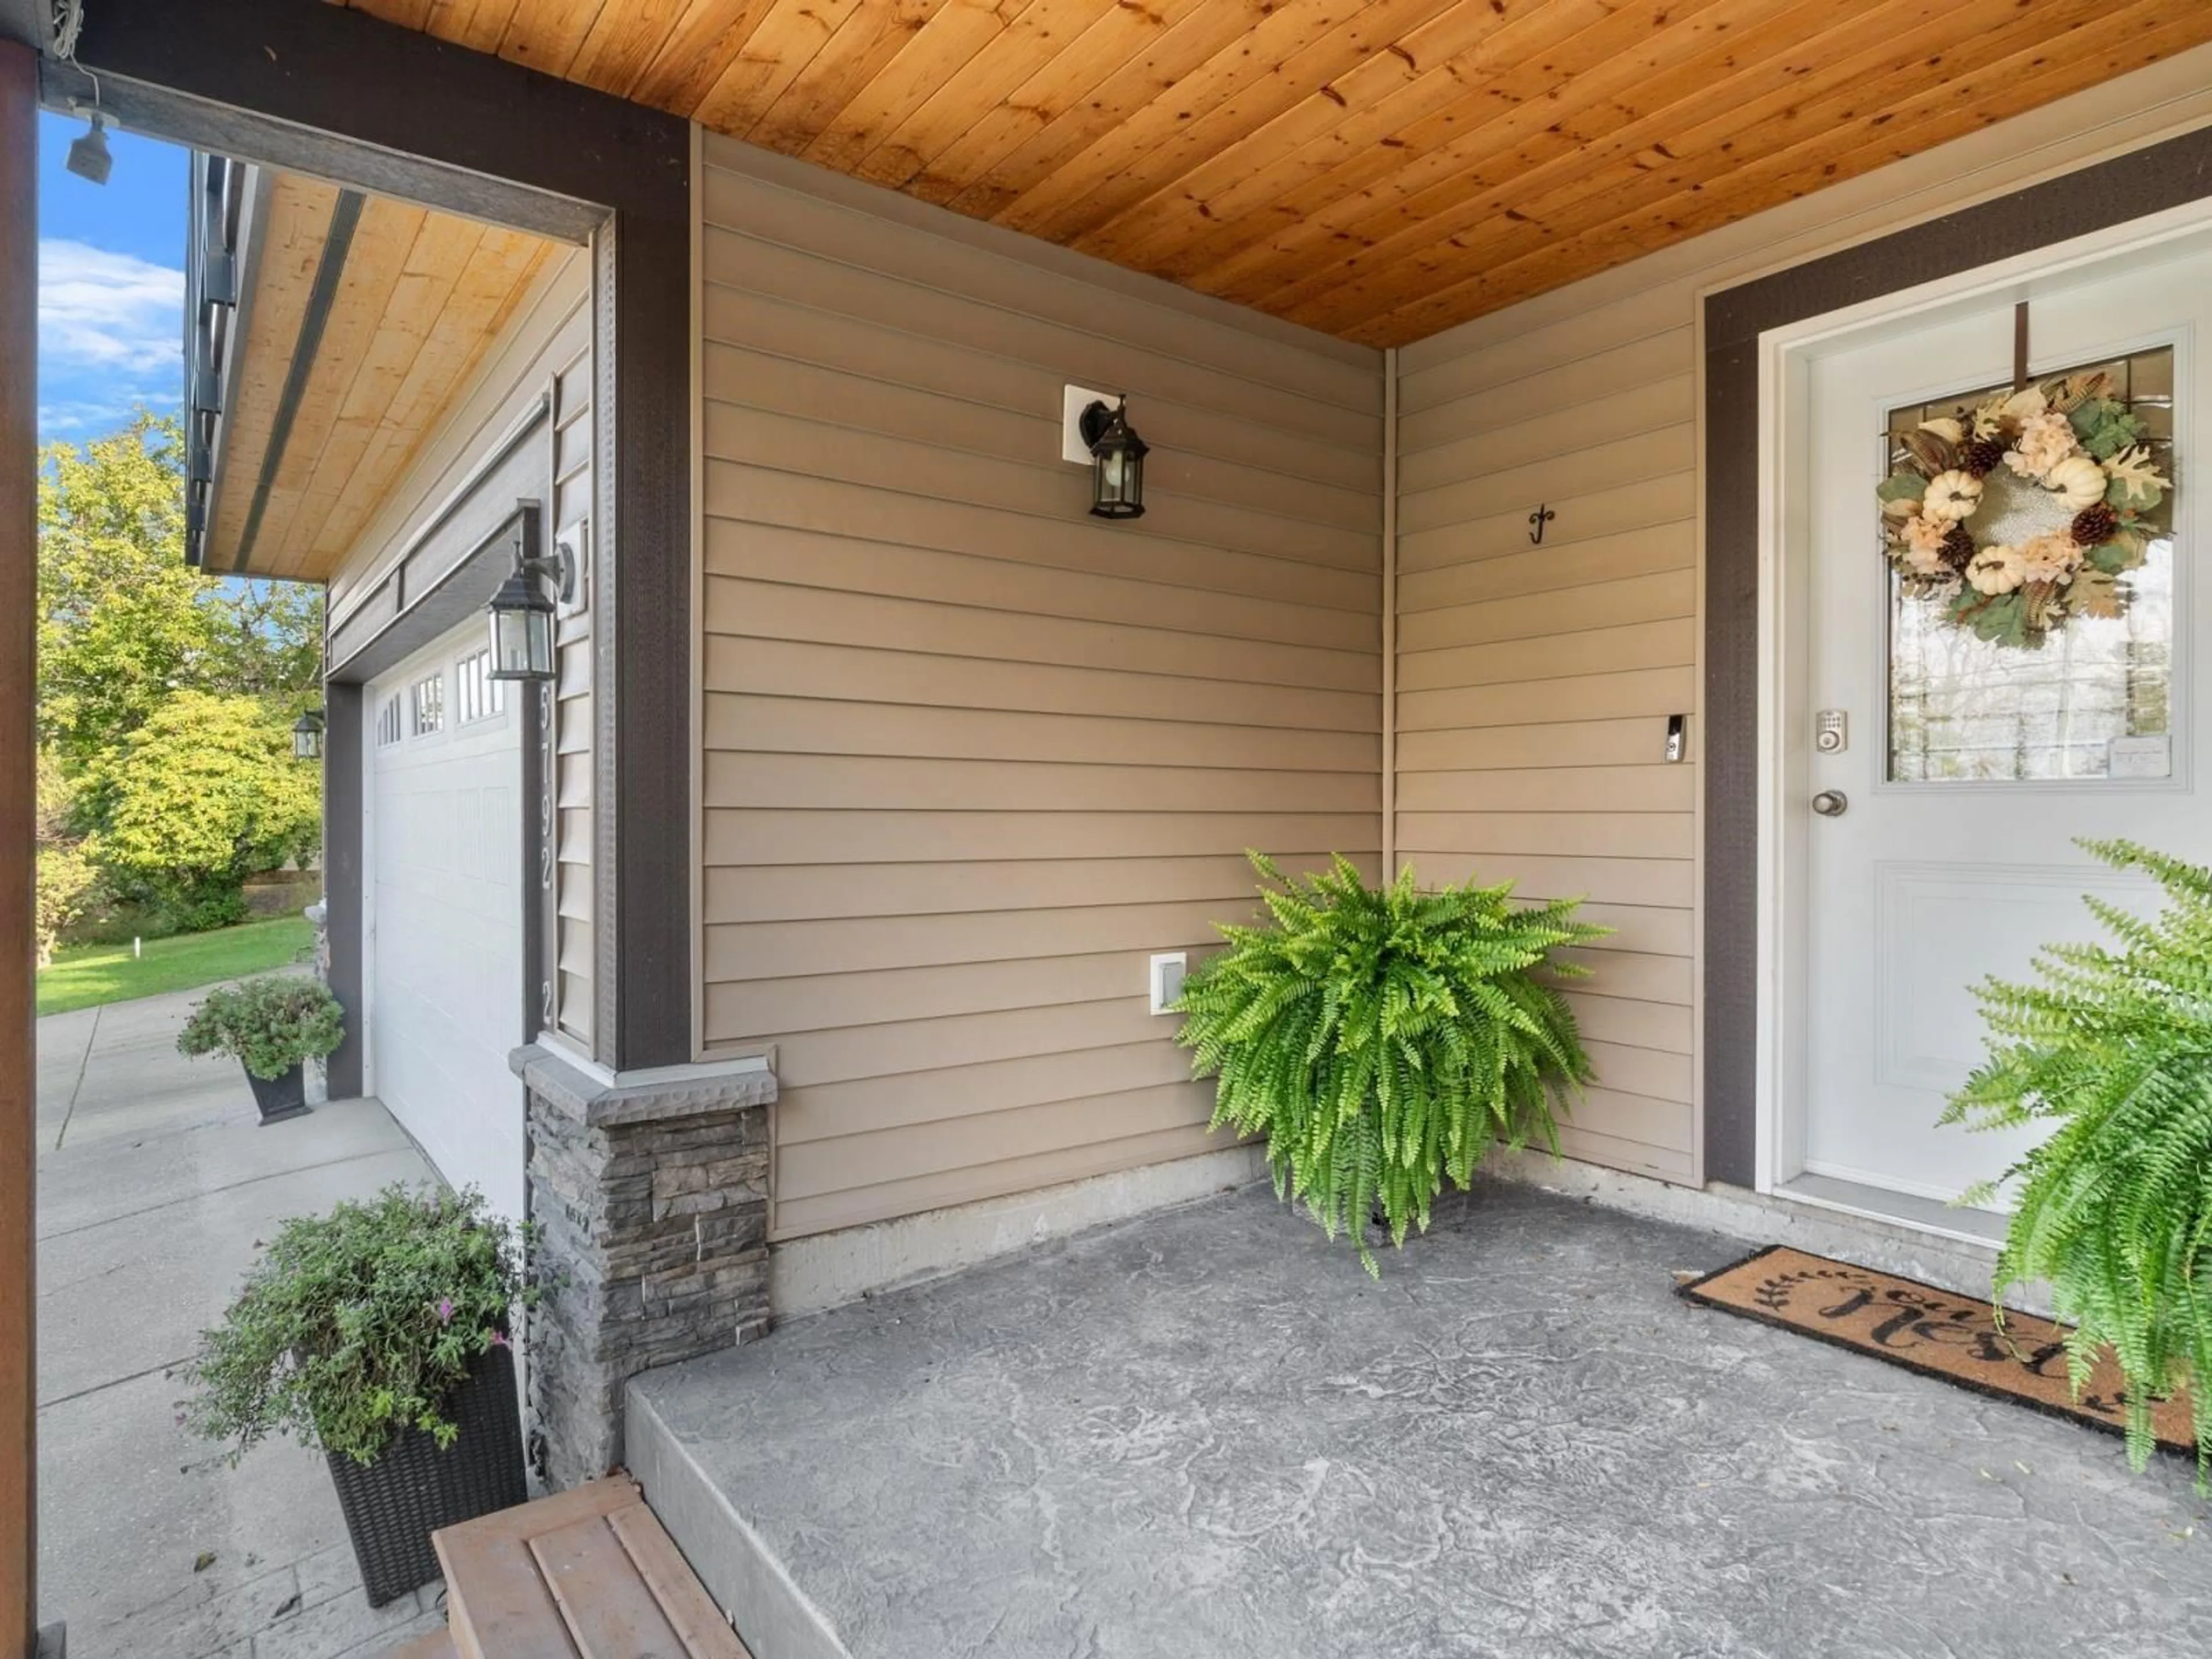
[438,1644]
[588,1574]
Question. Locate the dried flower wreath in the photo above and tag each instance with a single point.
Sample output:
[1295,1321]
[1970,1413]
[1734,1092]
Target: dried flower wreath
[2030,507]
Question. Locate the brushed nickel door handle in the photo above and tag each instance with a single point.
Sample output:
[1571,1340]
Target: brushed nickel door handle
[1830,803]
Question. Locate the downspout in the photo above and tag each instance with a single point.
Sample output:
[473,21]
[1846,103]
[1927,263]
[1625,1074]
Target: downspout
[1389,613]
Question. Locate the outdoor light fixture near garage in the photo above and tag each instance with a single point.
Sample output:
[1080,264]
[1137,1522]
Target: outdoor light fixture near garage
[307,736]
[1117,461]
[522,611]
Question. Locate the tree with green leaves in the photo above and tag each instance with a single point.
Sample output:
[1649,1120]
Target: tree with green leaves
[134,643]
[204,793]
[66,880]
[124,622]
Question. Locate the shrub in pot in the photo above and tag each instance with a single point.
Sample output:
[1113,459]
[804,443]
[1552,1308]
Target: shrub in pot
[2110,1054]
[1384,1040]
[272,1025]
[378,1334]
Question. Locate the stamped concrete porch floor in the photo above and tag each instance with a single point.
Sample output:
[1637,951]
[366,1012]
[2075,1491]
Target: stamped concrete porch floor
[1207,1434]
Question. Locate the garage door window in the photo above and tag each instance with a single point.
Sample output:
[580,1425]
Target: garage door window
[387,722]
[476,696]
[428,698]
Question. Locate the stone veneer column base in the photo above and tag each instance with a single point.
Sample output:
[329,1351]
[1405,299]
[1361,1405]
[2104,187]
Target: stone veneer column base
[649,1193]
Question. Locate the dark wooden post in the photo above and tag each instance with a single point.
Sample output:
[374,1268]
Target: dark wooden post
[19,1070]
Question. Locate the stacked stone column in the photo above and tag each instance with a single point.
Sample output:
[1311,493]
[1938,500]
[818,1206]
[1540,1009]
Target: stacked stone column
[651,1204]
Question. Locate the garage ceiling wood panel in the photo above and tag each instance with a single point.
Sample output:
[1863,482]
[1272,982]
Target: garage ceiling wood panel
[1378,169]
[419,298]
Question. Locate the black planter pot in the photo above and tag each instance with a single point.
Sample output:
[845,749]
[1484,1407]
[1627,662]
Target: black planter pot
[392,1506]
[280,1097]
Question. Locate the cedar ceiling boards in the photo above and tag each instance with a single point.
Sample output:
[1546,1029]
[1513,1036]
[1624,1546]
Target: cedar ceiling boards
[366,319]
[1377,169]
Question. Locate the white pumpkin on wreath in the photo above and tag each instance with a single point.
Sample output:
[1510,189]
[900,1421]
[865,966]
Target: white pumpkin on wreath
[2026,510]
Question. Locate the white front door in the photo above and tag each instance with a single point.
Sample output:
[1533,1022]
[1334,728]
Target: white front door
[445,847]
[1965,768]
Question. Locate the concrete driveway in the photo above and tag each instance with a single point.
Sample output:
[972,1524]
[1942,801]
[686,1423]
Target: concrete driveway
[156,1182]
[115,1071]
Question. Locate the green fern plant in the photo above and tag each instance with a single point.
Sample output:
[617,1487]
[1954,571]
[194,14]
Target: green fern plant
[2112,1052]
[1385,1039]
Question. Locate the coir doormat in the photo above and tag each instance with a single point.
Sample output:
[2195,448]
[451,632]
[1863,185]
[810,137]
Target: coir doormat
[1933,1332]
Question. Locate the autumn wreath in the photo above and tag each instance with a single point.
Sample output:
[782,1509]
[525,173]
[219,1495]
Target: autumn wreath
[2026,509]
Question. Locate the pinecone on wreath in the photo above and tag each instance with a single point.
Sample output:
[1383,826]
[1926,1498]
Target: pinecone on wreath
[2095,525]
[1982,457]
[1957,550]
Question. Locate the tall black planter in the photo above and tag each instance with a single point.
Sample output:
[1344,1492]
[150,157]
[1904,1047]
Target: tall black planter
[392,1506]
[280,1097]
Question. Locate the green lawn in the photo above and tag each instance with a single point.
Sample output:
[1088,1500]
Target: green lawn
[84,975]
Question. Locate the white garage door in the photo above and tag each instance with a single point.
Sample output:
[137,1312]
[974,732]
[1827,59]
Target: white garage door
[444,912]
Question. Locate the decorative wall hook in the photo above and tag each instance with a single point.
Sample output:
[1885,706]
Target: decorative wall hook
[1539,519]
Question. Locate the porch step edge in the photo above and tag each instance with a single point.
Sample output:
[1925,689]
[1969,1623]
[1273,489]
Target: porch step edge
[731,1559]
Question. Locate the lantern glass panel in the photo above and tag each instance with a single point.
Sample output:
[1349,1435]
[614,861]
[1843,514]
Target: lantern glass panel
[1117,479]
[522,643]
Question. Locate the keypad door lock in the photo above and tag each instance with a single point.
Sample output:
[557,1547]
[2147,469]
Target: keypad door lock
[1832,731]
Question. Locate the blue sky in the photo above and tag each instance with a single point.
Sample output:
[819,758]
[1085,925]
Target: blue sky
[110,284]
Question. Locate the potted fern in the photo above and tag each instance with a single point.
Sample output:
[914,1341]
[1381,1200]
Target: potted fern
[379,1334]
[272,1026]
[1384,1039]
[2111,1054]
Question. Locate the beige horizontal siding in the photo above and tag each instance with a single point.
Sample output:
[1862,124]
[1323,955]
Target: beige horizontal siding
[1534,683]
[969,754]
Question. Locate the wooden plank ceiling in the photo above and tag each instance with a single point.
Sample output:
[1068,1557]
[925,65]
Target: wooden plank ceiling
[1379,169]
[328,403]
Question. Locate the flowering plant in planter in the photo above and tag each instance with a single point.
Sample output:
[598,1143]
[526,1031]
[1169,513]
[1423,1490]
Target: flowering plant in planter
[380,1333]
[355,1325]
[269,1025]
[272,1026]
[1384,1039]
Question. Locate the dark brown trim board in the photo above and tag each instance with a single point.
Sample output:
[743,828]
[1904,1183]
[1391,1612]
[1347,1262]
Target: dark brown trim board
[19,559]
[332,91]
[2145,181]
[344,752]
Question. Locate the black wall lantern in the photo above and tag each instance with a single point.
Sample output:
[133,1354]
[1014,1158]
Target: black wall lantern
[521,612]
[1117,461]
[307,736]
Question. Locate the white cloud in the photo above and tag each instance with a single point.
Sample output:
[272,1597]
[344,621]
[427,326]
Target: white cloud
[114,314]
[81,419]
